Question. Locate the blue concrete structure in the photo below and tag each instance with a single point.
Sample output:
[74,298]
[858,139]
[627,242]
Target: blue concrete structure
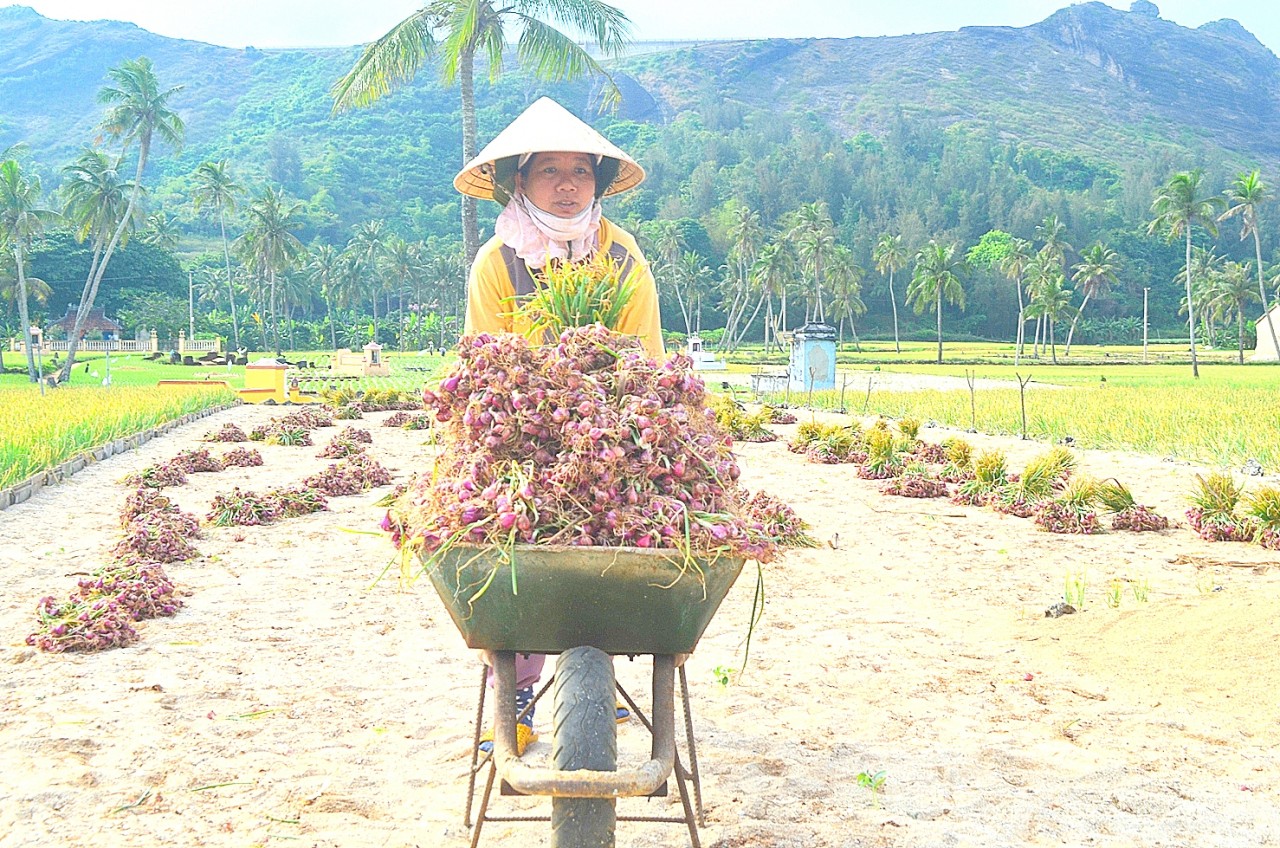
[813,358]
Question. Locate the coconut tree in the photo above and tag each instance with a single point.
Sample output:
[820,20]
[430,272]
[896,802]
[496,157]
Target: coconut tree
[745,235]
[95,197]
[22,221]
[815,238]
[1014,266]
[369,248]
[216,189]
[692,276]
[269,244]
[456,31]
[773,271]
[845,276]
[1244,198]
[1180,206]
[936,279]
[890,256]
[1053,237]
[38,291]
[1052,303]
[138,114]
[1205,269]
[1230,292]
[401,264]
[324,268]
[1093,274]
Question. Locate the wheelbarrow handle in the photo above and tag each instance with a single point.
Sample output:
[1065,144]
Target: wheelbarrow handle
[533,780]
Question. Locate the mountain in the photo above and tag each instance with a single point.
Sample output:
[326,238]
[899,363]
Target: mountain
[942,135]
[1090,79]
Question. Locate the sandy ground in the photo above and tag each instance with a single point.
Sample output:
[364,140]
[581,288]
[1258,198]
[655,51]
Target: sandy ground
[297,699]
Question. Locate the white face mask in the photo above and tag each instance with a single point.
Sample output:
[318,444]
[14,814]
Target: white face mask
[557,228]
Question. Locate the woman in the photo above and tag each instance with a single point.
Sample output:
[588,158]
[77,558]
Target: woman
[550,171]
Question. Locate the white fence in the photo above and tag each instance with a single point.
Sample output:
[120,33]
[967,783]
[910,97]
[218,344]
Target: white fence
[152,345]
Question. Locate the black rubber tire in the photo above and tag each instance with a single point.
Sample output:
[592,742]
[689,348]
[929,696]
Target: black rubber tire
[585,737]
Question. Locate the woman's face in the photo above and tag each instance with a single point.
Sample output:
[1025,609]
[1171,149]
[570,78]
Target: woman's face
[563,184]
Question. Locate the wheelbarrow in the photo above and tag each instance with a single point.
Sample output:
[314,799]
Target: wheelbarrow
[587,605]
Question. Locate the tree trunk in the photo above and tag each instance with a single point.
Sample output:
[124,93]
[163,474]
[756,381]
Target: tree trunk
[1240,335]
[24,315]
[939,322]
[401,334]
[231,289]
[333,329]
[95,280]
[466,83]
[1071,333]
[1262,292]
[275,319]
[897,346]
[745,325]
[1021,335]
[1191,310]
[1053,347]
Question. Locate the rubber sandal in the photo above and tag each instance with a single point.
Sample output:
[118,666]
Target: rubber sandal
[525,736]
[622,713]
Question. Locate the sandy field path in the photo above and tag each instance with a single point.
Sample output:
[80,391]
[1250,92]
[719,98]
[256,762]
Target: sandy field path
[298,699]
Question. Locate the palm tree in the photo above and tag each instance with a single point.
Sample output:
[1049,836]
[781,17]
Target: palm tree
[95,198]
[936,278]
[215,188]
[458,30]
[667,242]
[745,234]
[1095,271]
[161,231]
[401,265]
[890,256]
[369,247]
[1205,269]
[1246,195]
[1230,293]
[815,237]
[1053,234]
[691,276]
[1052,303]
[773,272]
[845,276]
[324,268]
[1179,206]
[38,291]
[137,113]
[22,221]
[1015,265]
[269,243]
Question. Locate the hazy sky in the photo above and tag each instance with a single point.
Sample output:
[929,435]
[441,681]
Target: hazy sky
[307,23]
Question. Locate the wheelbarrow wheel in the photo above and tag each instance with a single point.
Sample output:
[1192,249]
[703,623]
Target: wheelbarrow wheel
[585,737]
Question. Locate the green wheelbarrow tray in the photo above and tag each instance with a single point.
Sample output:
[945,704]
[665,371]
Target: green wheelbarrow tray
[620,600]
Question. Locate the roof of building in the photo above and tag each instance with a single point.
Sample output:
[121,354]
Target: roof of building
[96,322]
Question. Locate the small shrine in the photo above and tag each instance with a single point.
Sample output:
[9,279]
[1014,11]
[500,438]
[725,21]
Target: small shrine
[703,360]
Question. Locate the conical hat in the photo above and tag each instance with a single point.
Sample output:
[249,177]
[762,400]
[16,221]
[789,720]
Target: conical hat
[544,127]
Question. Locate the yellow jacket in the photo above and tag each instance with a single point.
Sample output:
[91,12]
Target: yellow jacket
[490,285]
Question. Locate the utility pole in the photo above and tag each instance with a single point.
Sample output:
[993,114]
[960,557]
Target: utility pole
[191,306]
